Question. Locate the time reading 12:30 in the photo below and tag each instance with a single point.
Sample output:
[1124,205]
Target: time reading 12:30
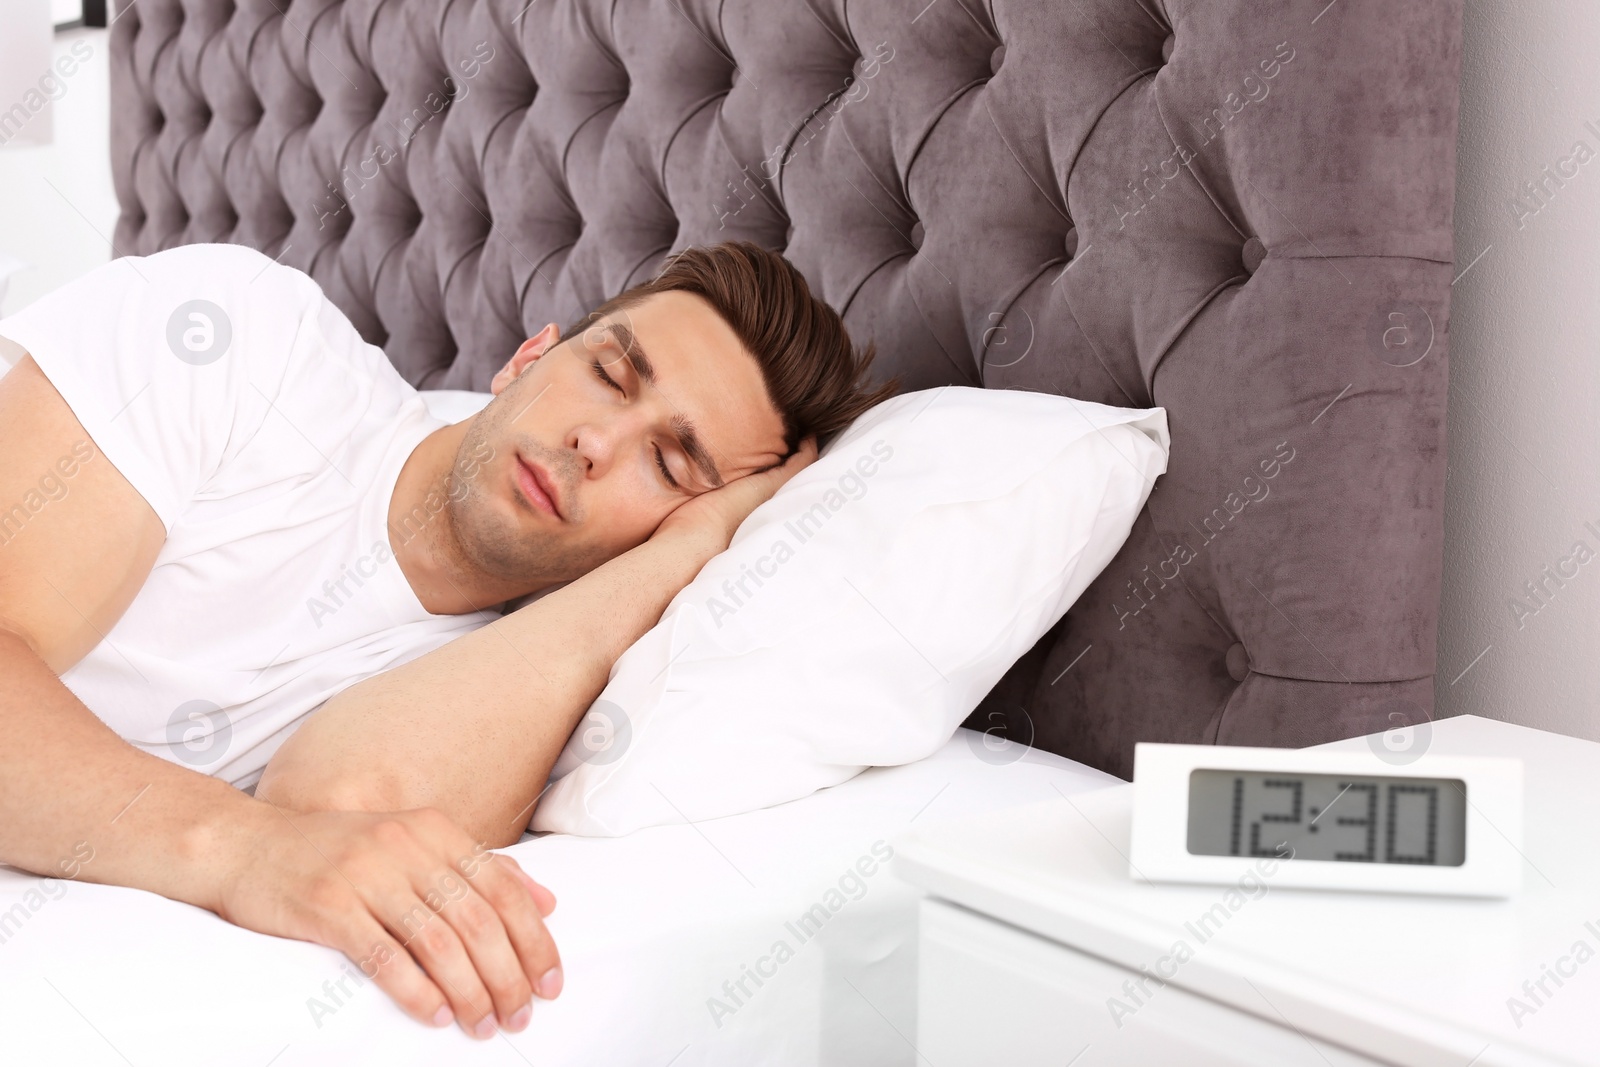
[1328,817]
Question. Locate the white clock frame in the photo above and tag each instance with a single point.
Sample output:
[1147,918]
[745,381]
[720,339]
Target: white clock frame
[1160,851]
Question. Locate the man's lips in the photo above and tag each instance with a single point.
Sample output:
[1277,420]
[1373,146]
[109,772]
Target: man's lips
[537,487]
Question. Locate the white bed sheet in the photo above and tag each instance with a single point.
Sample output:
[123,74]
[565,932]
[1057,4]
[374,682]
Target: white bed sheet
[650,927]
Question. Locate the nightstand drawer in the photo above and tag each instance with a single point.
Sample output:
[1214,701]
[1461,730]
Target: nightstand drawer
[990,993]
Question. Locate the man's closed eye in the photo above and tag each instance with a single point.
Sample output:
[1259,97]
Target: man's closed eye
[661,460]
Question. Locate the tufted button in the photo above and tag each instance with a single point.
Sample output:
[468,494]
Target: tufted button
[997,57]
[1166,48]
[1238,662]
[1071,241]
[916,234]
[1252,254]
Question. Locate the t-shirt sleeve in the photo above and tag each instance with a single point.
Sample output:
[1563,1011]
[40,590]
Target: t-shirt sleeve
[174,362]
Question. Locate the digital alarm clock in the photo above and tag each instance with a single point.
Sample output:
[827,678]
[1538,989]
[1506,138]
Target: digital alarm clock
[1322,819]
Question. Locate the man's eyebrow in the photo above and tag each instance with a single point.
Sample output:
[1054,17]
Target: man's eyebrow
[688,439]
[636,354]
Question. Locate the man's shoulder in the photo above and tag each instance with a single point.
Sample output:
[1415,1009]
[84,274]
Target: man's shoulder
[219,252]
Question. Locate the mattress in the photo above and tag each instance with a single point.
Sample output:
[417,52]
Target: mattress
[670,940]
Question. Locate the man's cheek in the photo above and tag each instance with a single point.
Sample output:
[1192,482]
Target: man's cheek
[620,510]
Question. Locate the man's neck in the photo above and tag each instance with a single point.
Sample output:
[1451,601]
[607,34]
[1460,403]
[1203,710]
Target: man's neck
[425,542]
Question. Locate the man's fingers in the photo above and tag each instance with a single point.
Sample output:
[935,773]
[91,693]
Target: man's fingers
[768,482]
[493,953]
[803,457]
[543,899]
[477,923]
[446,928]
[391,969]
[434,944]
[516,905]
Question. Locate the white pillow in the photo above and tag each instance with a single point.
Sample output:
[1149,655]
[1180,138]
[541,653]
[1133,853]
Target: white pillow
[860,614]
[454,405]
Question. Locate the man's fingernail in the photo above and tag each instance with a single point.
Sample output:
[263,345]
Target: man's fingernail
[443,1016]
[485,1028]
[550,985]
[519,1021]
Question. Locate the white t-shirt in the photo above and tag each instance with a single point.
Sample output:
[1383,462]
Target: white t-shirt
[268,436]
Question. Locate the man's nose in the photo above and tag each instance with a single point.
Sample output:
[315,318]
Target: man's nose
[602,438]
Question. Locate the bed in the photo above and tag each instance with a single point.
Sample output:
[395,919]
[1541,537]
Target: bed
[1241,213]
[651,927]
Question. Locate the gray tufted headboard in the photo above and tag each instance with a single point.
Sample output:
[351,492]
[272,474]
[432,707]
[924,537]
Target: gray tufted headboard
[1239,210]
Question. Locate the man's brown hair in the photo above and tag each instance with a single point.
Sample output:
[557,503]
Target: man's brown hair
[815,378]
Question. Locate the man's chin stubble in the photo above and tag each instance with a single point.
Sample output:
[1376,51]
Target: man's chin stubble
[490,544]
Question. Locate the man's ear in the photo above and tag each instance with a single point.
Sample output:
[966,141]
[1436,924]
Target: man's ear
[525,356]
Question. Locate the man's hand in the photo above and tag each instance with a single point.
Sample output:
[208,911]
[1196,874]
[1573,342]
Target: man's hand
[720,512]
[445,927]
[73,787]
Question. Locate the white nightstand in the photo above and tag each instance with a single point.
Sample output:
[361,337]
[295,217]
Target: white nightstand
[1036,947]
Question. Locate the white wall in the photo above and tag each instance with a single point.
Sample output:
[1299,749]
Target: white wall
[57,206]
[1524,471]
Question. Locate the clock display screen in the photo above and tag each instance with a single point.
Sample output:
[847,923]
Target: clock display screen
[1342,818]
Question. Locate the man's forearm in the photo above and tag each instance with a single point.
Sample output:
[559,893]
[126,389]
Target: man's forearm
[474,728]
[76,801]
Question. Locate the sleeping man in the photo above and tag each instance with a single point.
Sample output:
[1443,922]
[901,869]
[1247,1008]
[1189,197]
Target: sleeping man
[221,511]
